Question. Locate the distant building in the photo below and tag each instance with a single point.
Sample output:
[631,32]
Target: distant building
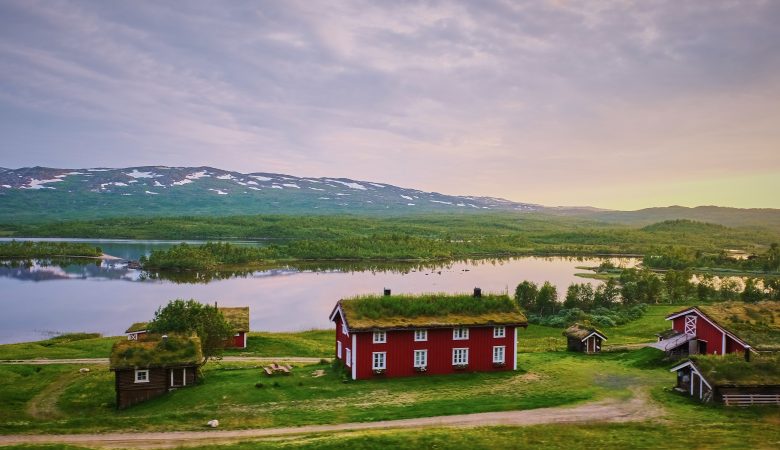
[722,328]
[237,317]
[137,330]
[731,379]
[580,338]
[152,366]
[395,336]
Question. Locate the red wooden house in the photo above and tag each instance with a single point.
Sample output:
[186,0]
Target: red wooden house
[237,317]
[395,336]
[720,329]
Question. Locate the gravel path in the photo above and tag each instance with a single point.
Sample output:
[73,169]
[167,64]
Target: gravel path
[638,408]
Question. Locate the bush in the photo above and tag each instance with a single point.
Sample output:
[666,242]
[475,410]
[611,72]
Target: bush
[259,385]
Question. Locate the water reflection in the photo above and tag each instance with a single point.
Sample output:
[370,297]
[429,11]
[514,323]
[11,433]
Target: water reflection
[106,296]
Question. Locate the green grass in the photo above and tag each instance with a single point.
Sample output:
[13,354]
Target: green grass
[228,393]
[76,345]
[311,343]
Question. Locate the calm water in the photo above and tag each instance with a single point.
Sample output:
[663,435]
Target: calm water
[40,299]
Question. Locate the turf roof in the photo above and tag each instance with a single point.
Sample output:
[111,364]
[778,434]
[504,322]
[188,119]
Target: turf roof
[733,370]
[758,324]
[580,331]
[430,311]
[138,326]
[156,352]
[237,317]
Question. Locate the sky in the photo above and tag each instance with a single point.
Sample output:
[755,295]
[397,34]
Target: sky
[612,104]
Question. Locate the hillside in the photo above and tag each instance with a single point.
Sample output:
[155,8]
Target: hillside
[39,193]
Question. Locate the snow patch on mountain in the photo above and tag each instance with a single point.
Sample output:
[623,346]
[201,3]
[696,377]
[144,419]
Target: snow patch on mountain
[138,174]
[357,186]
[219,191]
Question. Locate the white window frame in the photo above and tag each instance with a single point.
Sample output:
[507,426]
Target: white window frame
[499,331]
[460,334]
[142,371]
[344,330]
[500,349]
[420,335]
[380,337]
[421,358]
[690,324]
[349,357]
[460,356]
[338,349]
[381,358]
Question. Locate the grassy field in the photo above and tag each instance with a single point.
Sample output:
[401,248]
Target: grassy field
[228,392]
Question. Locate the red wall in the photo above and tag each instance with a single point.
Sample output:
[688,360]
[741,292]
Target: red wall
[705,331]
[346,342]
[236,341]
[400,348]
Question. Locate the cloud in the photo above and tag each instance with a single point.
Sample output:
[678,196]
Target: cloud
[527,100]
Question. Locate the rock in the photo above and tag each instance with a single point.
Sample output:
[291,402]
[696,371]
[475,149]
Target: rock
[83,370]
[214,423]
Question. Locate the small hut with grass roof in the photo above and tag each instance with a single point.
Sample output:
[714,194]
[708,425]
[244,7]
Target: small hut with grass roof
[137,331]
[151,367]
[581,338]
[238,318]
[731,379]
[404,335]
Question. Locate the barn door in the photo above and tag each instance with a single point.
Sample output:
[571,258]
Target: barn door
[177,377]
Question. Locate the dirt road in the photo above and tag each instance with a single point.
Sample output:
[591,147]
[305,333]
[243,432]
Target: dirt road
[637,408]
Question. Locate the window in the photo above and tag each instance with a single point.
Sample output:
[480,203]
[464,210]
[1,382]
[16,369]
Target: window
[344,330]
[420,335]
[379,360]
[338,349]
[420,358]
[380,337]
[498,354]
[499,332]
[690,325]
[460,356]
[349,357]
[460,334]
[142,376]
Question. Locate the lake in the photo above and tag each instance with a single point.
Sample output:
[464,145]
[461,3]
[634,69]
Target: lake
[39,300]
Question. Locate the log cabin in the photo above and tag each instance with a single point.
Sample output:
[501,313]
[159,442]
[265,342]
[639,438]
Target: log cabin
[396,336]
[731,379]
[583,339]
[722,328]
[153,365]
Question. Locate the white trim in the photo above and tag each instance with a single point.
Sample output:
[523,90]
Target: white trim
[382,358]
[462,350]
[336,311]
[424,362]
[503,353]
[348,357]
[496,330]
[690,364]
[171,377]
[423,332]
[596,333]
[146,371]
[380,337]
[338,349]
[723,345]
[354,356]
[514,355]
[464,335]
[246,333]
[183,376]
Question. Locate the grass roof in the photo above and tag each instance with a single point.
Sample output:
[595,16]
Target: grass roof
[733,370]
[581,331]
[758,324]
[237,317]
[430,310]
[138,326]
[156,352]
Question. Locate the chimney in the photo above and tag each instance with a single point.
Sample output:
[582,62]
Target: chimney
[477,292]
[387,292]
[164,337]
[747,354]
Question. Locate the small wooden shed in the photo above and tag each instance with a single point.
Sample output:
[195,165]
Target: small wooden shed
[581,338]
[238,318]
[137,330]
[152,366]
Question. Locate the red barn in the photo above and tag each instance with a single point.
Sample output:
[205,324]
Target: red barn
[722,328]
[395,336]
[238,318]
